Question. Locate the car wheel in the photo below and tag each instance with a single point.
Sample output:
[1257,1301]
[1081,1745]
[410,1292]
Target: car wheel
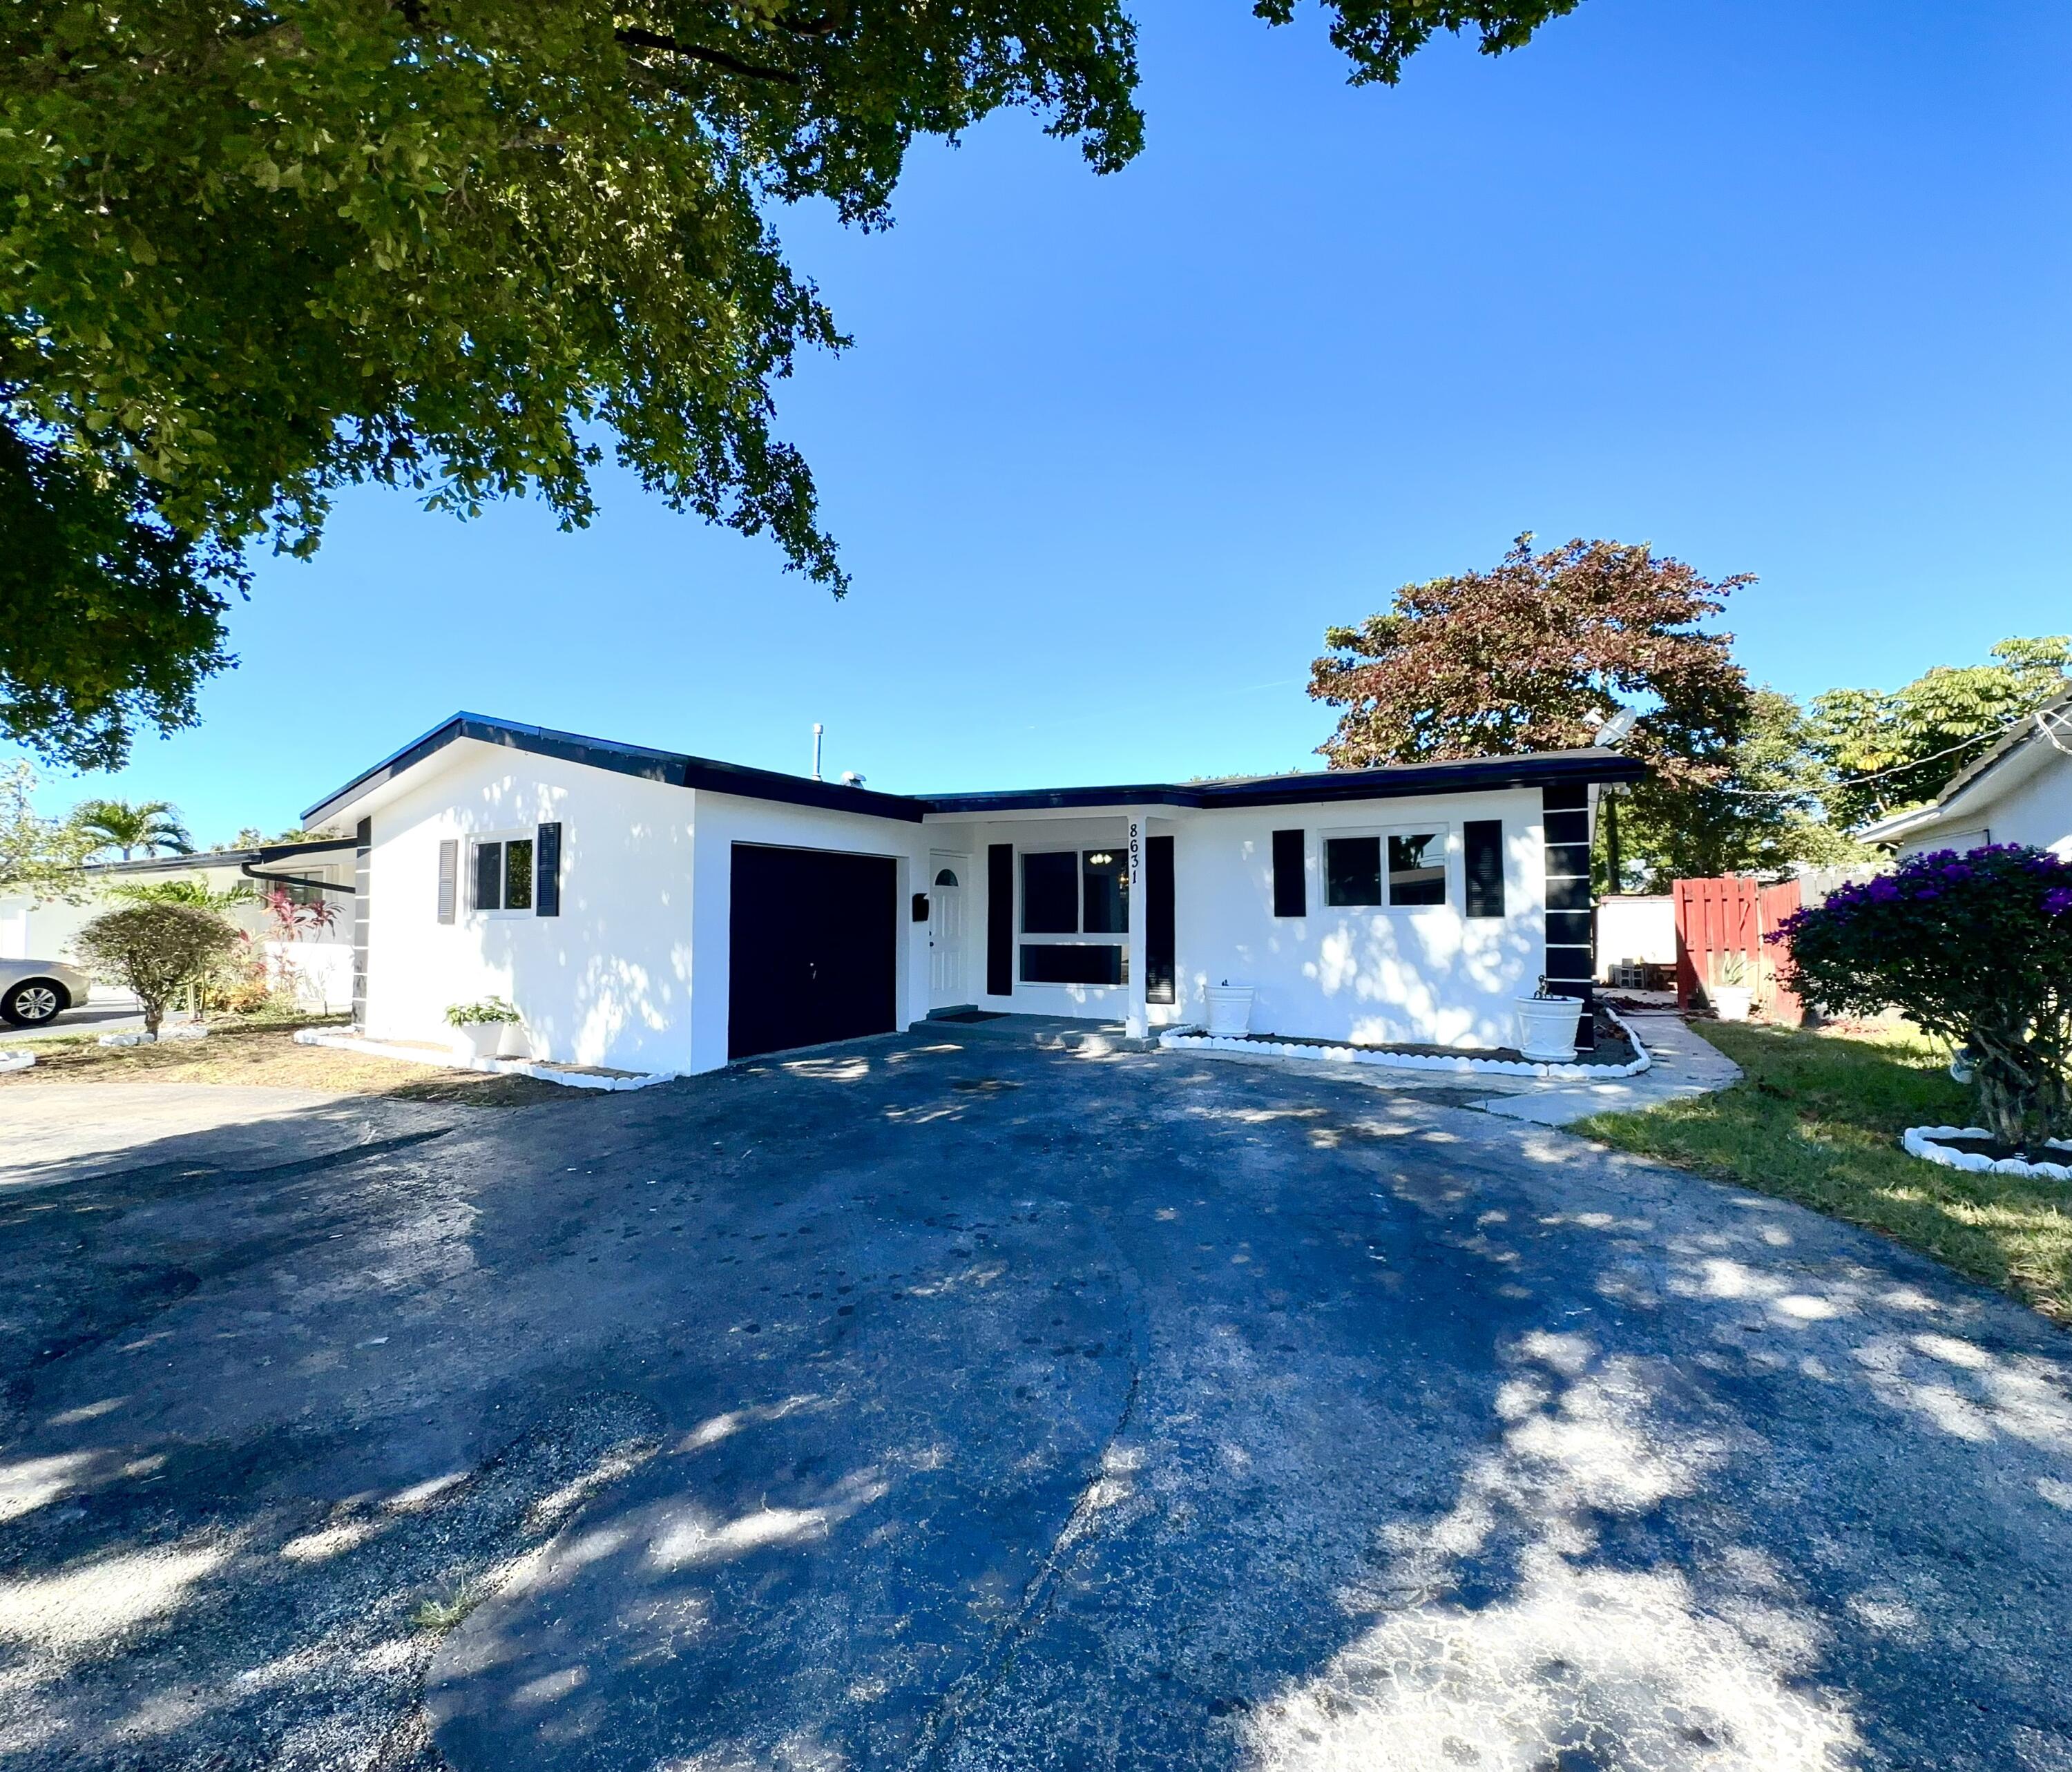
[32,1004]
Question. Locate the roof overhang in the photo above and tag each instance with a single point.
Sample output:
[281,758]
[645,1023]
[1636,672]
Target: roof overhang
[215,858]
[1535,769]
[672,768]
[2030,746]
[1396,781]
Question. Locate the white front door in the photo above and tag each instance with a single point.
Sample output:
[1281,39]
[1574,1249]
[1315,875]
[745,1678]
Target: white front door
[946,930]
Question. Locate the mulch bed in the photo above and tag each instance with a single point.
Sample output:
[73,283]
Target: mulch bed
[1613,1048]
[1998,1152]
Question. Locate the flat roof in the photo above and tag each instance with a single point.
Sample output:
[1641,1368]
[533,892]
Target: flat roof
[1532,769]
[218,858]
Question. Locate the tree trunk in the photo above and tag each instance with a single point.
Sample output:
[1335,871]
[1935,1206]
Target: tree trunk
[2023,1094]
[153,1012]
[1612,868]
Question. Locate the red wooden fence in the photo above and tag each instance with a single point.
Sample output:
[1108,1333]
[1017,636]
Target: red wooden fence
[1730,916]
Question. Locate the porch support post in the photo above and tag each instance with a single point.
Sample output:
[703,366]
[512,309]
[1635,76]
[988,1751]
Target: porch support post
[1136,1023]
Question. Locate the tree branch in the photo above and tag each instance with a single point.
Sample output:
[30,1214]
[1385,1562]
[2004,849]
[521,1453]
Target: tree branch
[632,37]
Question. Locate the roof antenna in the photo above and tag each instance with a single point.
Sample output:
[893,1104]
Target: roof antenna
[818,729]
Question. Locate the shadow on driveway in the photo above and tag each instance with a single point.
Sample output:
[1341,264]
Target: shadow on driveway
[944,1402]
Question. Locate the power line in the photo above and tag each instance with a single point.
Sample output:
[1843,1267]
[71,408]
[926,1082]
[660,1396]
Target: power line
[2044,723]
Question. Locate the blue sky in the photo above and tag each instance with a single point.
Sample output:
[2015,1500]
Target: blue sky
[1781,288]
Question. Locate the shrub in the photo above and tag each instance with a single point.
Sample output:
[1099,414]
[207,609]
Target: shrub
[490,1008]
[155,949]
[1977,948]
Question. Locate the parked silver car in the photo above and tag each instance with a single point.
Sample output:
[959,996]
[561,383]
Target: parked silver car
[34,993]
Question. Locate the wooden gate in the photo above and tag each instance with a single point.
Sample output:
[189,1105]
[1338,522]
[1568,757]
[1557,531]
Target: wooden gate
[1730,916]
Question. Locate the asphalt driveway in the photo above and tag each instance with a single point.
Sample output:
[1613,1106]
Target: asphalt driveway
[955,1402]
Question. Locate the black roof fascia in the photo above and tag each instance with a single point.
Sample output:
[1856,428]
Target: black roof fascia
[216,858]
[1396,781]
[671,768]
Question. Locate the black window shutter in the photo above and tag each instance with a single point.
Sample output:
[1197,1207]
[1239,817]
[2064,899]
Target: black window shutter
[1160,970]
[547,860]
[1482,838]
[1291,890]
[1000,919]
[489,877]
[449,879]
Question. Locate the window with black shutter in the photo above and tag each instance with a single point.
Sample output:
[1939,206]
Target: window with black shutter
[1291,889]
[1482,840]
[547,898]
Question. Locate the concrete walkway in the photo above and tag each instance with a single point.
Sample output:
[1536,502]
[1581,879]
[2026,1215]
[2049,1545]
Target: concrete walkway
[1684,1065]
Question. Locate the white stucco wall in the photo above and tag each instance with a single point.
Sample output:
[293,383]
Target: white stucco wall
[608,981]
[634,973]
[1426,974]
[1423,974]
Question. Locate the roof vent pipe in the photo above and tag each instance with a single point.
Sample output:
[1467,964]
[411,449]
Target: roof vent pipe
[818,729]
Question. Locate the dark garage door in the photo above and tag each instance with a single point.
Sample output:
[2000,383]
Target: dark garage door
[812,946]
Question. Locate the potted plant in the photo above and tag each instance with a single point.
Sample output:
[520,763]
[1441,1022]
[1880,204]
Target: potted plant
[488,1029]
[1547,1025]
[1732,988]
[1229,1008]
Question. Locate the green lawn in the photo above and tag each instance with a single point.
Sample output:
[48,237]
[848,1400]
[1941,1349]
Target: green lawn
[1818,1120]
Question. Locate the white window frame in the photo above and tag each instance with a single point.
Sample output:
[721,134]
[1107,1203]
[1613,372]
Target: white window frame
[1448,830]
[474,840]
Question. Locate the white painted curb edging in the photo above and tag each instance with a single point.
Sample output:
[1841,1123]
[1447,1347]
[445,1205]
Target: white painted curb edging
[1920,1141]
[502,1067]
[1181,1040]
[16,1058]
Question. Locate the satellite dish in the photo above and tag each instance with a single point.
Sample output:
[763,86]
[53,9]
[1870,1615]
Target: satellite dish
[851,779]
[1614,728]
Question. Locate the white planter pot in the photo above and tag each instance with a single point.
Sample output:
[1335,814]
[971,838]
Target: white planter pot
[1731,1002]
[1547,1027]
[481,1039]
[1230,1009]
[514,1044]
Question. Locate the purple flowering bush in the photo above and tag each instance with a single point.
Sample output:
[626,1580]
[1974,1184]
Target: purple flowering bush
[1974,948]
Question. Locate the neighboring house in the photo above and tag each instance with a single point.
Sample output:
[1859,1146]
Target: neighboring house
[2020,792]
[320,959]
[655,912]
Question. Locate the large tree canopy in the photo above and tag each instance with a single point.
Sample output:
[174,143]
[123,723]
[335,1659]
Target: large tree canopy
[1886,750]
[1533,655]
[252,251]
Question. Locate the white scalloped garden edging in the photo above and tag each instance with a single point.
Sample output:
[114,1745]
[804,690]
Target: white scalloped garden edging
[445,1058]
[1182,1040]
[16,1058]
[1920,1141]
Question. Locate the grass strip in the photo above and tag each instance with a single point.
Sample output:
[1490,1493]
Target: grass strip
[1817,1120]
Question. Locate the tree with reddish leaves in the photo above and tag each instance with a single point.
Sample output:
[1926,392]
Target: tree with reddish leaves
[1533,655]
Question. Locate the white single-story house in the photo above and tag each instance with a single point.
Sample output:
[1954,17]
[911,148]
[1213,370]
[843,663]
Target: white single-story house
[316,956]
[651,911]
[2019,792]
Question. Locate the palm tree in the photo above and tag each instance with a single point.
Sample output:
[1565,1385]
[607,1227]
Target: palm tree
[150,825]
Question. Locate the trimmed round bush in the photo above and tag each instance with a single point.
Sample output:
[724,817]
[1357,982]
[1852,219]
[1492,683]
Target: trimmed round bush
[155,949]
[1977,948]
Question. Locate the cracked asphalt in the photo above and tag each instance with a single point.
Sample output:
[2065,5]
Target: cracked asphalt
[959,1403]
